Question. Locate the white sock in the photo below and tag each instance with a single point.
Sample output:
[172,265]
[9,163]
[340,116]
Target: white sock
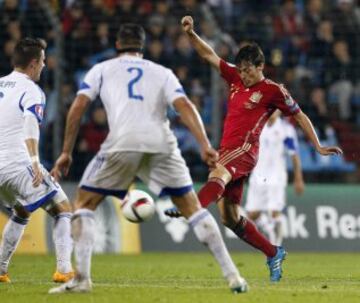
[63,242]
[207,231]
[13,231]
[278,230]
[83,225]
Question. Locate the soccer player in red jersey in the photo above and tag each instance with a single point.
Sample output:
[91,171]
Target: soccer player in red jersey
[251,102]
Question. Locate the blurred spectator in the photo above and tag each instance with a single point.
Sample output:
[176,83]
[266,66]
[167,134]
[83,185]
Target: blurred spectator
[317,111]
[92,134]
[340,74]
[321,50]
[155,52]
[347,24]
[290,35]
[314,14]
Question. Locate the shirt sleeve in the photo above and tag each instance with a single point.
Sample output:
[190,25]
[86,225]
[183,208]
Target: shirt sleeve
[172,88]
[33,103]
[228,72]
[91,84]
[291,140]
[284,102]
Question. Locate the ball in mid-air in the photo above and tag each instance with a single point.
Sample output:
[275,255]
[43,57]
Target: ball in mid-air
[138,206]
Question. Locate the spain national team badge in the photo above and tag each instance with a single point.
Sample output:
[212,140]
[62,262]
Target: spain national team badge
[256,97]
[253,100]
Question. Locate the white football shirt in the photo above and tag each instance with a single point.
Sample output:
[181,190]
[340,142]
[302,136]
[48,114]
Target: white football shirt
[136,94]
[276,142]
[19,96]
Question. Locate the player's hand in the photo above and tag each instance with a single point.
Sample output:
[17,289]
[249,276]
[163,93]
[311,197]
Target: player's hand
[187,24]
[210,156]
[329,150]
[299,186]
[62,166]
[38,176]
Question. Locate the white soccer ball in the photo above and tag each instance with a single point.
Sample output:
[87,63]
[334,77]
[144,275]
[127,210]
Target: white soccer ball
[138,206]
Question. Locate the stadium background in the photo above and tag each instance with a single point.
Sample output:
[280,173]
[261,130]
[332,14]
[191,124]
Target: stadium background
[311,46]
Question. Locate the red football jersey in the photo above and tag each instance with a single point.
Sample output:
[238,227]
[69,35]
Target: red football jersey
[250,107]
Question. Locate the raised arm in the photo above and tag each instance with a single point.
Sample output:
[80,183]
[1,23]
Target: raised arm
[306,125]
[202,48]
[73,121]
[191,118]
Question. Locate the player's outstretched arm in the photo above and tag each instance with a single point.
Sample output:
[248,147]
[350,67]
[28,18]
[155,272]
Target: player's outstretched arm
[308,128]
[202,48]
[73,121]
[191,118]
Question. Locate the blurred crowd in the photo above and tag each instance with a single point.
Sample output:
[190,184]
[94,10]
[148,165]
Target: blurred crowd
[312,46]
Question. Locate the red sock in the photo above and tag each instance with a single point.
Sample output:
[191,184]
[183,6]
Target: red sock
[211,191]
[247,231]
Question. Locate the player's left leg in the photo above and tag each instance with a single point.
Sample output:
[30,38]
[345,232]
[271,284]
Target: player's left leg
[12,234]
[246,230]
[62,213]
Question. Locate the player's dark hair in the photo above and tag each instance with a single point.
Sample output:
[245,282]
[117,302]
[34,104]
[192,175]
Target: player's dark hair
[26,50]
[131,35]
[251,53]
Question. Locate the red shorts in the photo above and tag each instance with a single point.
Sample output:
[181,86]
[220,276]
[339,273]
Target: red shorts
[239,162]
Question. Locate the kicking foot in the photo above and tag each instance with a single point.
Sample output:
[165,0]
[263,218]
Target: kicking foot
[73,286]
[275,263]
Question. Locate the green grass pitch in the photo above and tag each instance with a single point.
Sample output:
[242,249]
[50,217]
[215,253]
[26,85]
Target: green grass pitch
[193,278]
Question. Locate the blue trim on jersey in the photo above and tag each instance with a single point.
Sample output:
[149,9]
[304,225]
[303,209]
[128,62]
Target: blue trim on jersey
[177,192]
[180,90]
[84,85]
[39,203]
[20,105]
[38,111]
[290,143]
[106,192]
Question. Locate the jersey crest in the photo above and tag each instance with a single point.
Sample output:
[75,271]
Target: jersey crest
[256,97]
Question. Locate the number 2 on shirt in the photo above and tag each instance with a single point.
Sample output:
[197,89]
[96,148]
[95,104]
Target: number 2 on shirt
[133,81]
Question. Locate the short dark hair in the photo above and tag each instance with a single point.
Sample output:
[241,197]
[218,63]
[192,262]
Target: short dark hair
[131,35]
[26,50]
[251,53]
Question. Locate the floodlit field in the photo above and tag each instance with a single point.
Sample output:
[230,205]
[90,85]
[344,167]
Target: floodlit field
[193,278]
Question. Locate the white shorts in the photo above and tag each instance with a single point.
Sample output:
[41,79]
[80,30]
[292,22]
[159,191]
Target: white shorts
[265,198]
[112,173]
[16,189]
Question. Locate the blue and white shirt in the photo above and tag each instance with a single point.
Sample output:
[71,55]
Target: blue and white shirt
[136,94]
[277,141]
[19,96]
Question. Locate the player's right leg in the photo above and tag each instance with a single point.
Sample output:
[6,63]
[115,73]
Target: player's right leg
[208,233]
[12,234]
